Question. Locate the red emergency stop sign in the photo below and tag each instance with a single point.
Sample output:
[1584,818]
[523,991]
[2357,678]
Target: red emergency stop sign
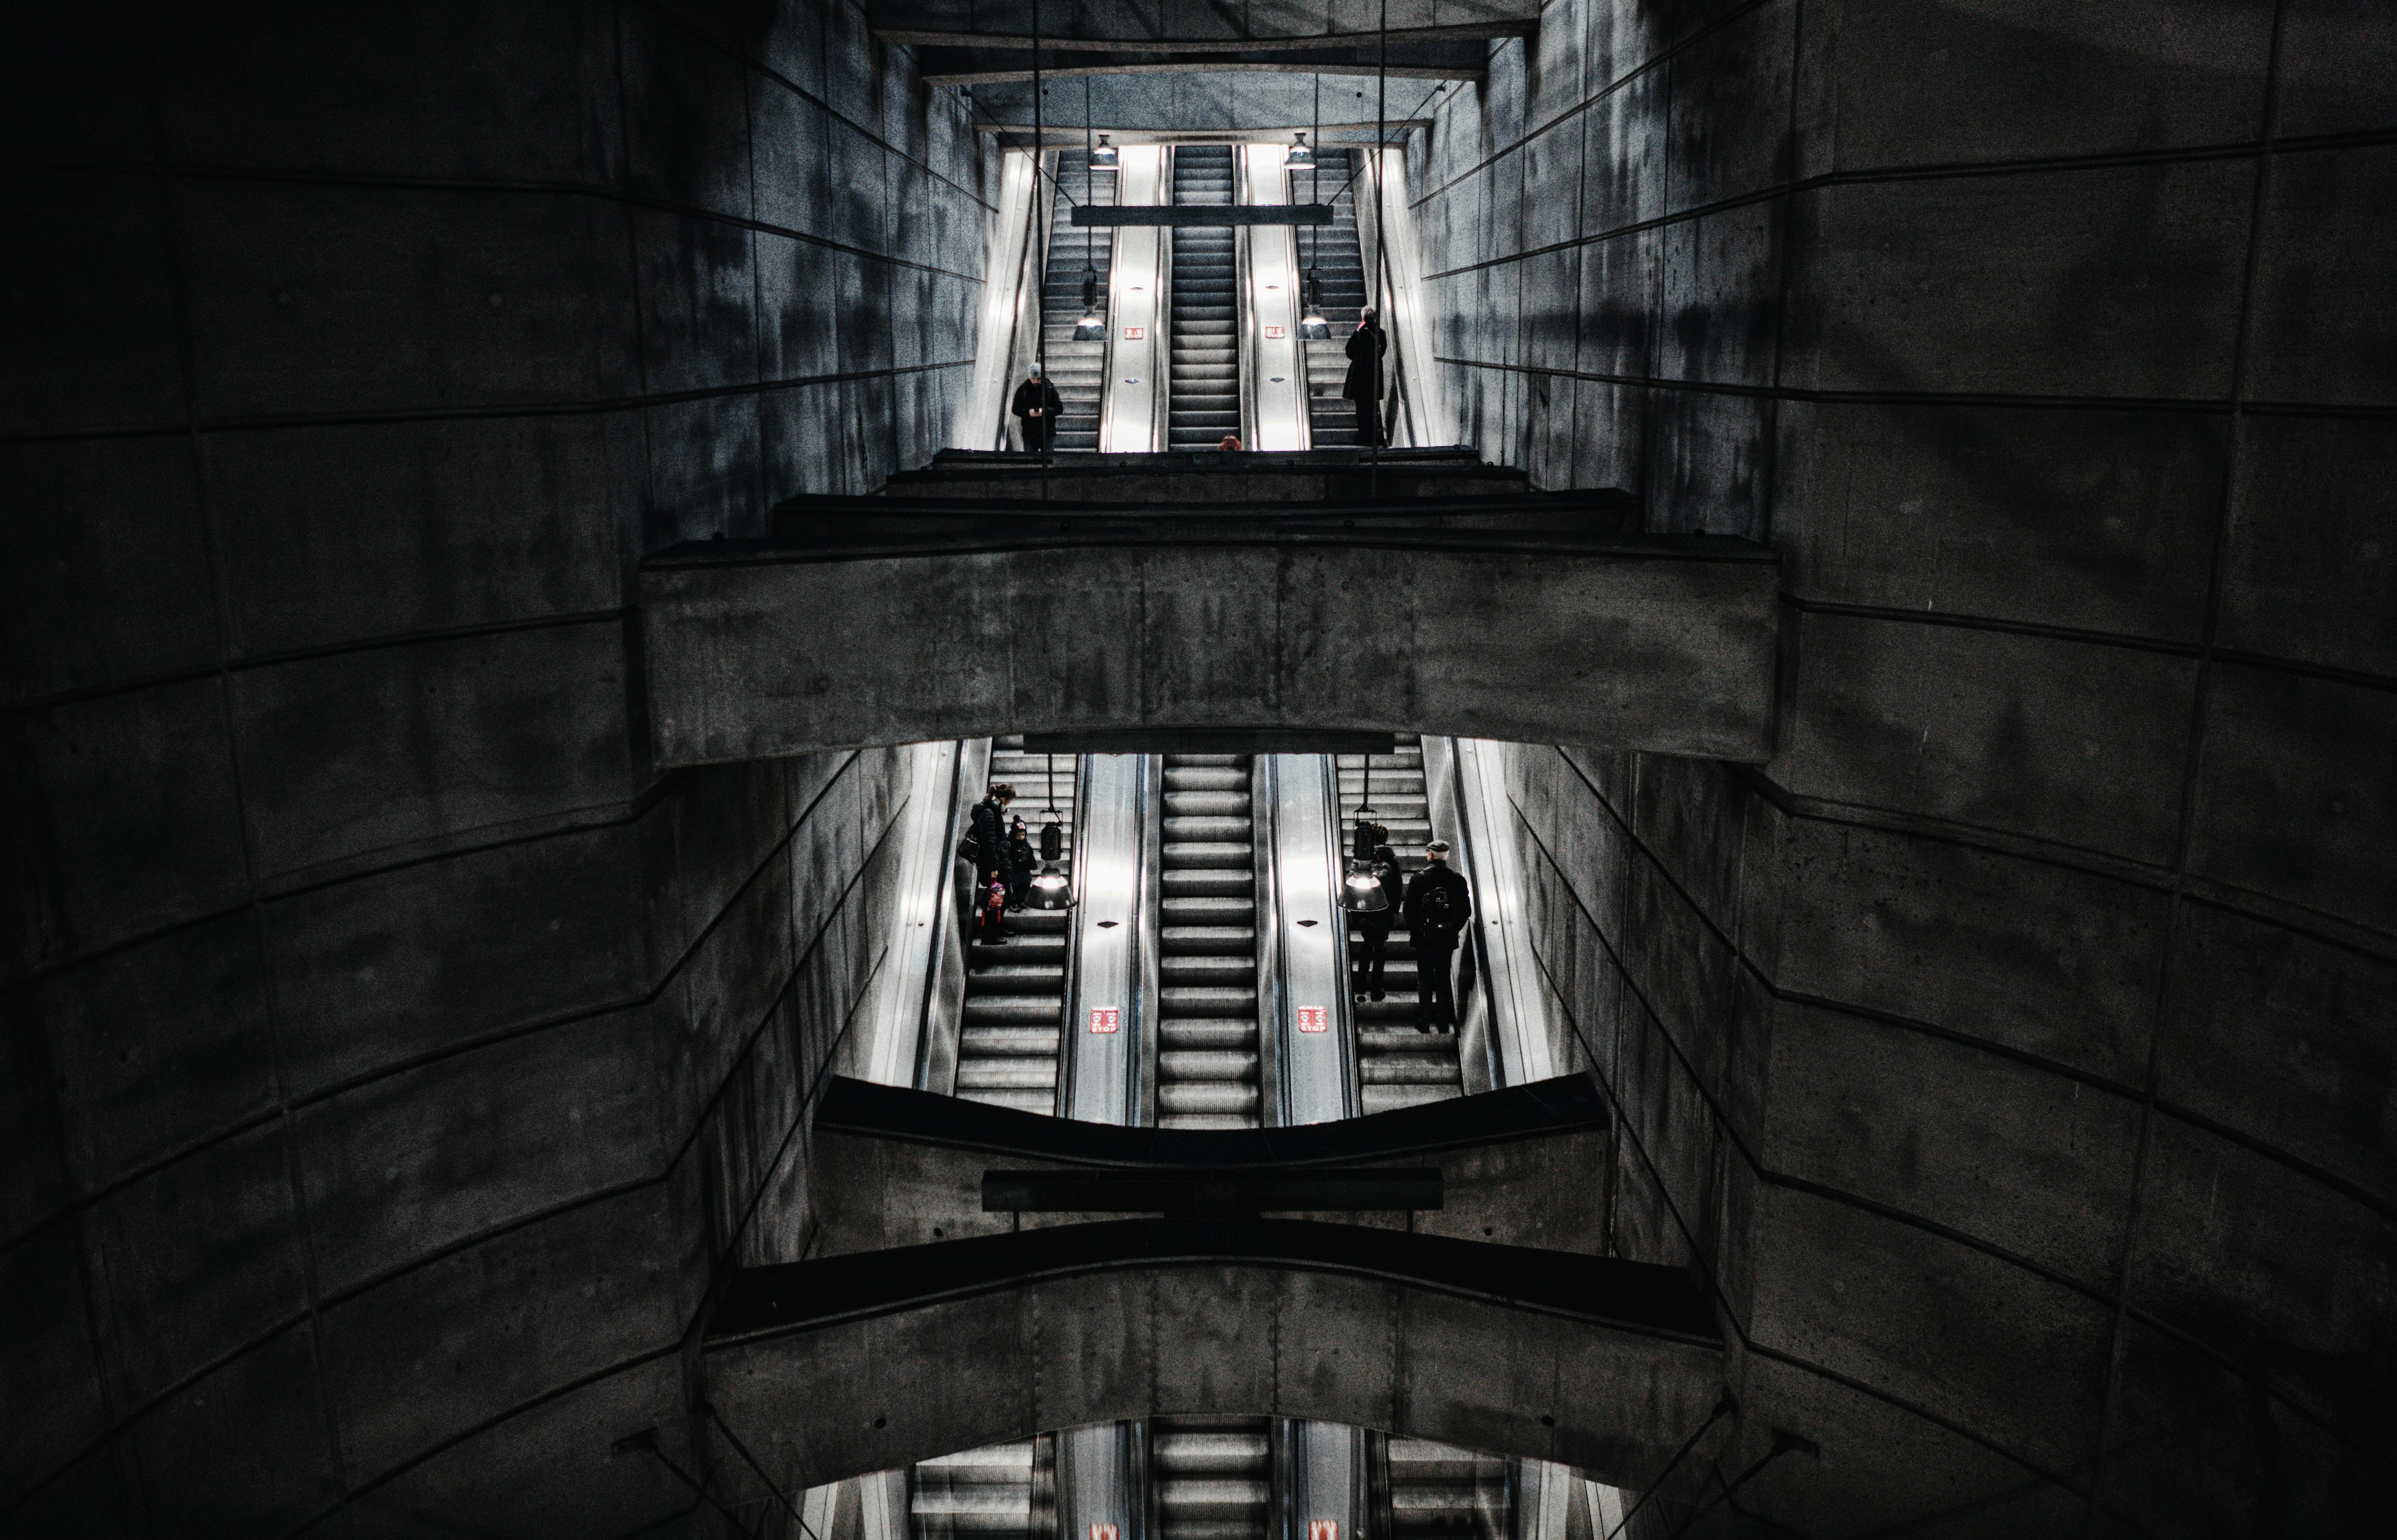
[1312,1018]
[1105,1018]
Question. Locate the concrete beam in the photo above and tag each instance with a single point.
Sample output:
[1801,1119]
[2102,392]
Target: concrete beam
[1211,105]
[1194,216]
[1413,59]
[1526,1166]
[836,1368]
[876,632]
[1087,24]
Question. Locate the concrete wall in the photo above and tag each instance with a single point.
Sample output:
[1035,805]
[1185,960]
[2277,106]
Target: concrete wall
[2012,1051]
[392,1055]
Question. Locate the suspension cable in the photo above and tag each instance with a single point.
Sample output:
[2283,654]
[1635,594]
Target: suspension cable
[1040,338]
[1381,244]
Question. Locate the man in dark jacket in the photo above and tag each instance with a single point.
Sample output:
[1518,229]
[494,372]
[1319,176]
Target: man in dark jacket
[1366,346]
[1374,925]
[1438,903]
[1036,404]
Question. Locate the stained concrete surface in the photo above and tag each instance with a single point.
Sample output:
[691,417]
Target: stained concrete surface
[1661,642]
[2020,987]
[392,1054]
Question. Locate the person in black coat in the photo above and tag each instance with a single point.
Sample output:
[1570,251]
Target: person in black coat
[990,833]
[1375,924]
[1438,903]
[1036,404]
[1019,863]
[1363,386]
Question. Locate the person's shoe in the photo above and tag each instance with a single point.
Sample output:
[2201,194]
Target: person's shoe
[1377,994]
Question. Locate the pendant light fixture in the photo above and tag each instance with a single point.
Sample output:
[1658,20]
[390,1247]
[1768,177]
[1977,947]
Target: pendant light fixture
[1090,328]
[1299,154]
[1104,157]
[1049,888]
[1312,324]
[1361,889]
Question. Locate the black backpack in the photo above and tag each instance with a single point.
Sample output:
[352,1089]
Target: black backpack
[1440,907]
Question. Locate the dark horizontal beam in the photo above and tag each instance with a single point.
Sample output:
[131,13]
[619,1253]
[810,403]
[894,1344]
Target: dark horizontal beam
[984,70]
[1400,38]
[1215,1192]
[1567,1104]
[985,67]
[1648,1298]
[1244,741]
[1192,216]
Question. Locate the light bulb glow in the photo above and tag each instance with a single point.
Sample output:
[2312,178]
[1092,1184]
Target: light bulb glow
[1360,891]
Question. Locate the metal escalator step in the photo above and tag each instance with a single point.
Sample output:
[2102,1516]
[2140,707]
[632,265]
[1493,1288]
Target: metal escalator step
[1022,1101]
[1006,1075]
[1212,800]
[1207,1032]
[1224,907]
[1185,1065]
[1014,1007]
[1181,777]
[1216,855]
[978,1041]
[1406,1069]
[1206,999]
[1210,829]
[1219,1097]
[1212,968]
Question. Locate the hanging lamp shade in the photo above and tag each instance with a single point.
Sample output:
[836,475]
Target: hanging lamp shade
[1312,324]
[1090,328]
[1300,154]
[1103,158]
[1361,890]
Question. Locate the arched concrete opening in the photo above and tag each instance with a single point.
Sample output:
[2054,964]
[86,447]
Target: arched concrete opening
[868,1363]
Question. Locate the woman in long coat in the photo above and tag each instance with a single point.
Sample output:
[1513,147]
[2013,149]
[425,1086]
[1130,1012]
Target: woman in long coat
[1363,386]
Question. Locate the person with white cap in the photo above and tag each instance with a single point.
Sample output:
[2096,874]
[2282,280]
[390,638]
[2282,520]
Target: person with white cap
[1438,903]
[1037,406]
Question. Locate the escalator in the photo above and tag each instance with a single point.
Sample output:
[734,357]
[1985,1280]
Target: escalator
[1015,992]
[1212,1476]
[1203,396]
[1004,1492]
[1438,1493]
[1207,1016]
[1331,255]
[1078,370]
[1398,1066]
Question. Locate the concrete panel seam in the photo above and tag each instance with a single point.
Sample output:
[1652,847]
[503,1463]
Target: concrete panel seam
[2238,150]
[2195,405]
[1722,23]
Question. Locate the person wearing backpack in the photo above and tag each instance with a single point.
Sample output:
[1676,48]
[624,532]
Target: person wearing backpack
[1438,903]
[992,912]
[988,834]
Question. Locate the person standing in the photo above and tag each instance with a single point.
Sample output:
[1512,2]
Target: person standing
[1019,863]
[1037,406]
[1375,925]
[1363,385]
[1438,903]
[990,833]
[992,913]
